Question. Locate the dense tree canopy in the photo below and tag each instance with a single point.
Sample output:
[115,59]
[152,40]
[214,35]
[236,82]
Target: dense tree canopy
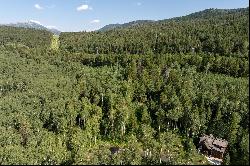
[144,91]
[226,34]
[29,37]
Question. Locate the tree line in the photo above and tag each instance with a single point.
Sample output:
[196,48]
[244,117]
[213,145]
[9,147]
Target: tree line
[226,34]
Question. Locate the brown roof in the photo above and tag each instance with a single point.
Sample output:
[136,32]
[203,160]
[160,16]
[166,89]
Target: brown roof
[220,142]
[214,143]
[207,140]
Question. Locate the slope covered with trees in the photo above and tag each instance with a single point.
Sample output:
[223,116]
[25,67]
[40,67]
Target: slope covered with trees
[226,34]
[70,105]
[125,25]
[31,38]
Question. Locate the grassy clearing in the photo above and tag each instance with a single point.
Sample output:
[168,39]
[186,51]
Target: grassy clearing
[55,42]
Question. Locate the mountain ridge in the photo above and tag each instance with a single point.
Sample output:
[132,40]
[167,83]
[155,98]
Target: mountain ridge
[125,25]
[204,14]
[33,25]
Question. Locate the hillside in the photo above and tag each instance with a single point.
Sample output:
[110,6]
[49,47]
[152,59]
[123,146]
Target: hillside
[226,34]
[206,14]
[212,13]
[33,25]
[32,38]
[126,25]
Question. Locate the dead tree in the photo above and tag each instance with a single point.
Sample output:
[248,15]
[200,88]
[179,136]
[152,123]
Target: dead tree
[165,72]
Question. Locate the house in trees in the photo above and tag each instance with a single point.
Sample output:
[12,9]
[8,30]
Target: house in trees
[213,148]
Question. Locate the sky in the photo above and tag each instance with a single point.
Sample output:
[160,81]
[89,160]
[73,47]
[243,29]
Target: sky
[88,15]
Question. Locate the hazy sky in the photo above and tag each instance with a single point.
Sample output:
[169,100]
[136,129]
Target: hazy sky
[78,15]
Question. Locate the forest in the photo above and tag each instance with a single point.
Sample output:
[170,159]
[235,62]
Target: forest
[154,87]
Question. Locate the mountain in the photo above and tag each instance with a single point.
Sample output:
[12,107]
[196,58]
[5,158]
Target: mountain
[34,25]
[201,15]
[208,14]
[109,27]
[129,24]
[218,31]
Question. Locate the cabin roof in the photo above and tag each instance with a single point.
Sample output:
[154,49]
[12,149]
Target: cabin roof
[220,142]
[214,143]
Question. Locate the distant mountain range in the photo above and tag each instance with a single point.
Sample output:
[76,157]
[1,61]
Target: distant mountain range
[130,24]
[205,14]
[34,25]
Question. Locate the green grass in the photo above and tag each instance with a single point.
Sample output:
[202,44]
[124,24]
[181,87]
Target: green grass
[55,42]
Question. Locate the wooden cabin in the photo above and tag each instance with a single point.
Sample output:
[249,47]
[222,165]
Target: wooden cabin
[212,147]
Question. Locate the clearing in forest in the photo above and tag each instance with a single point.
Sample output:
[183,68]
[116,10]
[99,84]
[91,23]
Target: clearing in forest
[55,42]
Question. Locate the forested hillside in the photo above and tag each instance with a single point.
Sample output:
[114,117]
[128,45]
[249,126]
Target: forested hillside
[226,34]
[126,25]
[33,25]
[29,37]
[141,88]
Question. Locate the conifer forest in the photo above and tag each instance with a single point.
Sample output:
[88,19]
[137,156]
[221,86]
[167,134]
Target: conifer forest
[152,88]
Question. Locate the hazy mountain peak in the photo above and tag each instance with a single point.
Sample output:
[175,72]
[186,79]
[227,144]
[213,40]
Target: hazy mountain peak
[35,25]
[34,22]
